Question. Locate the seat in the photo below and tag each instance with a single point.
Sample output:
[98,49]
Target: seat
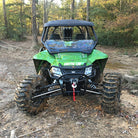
[67,33]
[55,37]
[79,37]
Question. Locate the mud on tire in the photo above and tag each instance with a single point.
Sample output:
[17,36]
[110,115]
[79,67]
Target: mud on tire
[111,93]
[26,90]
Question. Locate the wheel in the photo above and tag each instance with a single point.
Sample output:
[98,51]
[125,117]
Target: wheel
[26,90]
[43,72]
[111,93]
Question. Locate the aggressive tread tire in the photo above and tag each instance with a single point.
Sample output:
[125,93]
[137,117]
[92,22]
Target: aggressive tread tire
[24,93]
[111,93]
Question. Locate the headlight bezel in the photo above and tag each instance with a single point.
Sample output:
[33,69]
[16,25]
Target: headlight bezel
[88,70]
[56,71]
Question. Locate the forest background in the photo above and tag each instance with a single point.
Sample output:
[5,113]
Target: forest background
[116,21]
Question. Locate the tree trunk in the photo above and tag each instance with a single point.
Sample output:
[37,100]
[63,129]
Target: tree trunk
[47,6]
[21,17]
[88,10]
[5,18]
[72,9]
[34,28]
[38,33]
[120,5]
[45,12]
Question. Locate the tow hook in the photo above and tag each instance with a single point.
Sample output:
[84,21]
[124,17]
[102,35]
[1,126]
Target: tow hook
[74,85]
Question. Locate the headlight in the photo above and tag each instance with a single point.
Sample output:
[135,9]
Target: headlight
[88,71]
[56,71]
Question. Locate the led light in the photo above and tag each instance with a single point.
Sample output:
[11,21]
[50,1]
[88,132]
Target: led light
[88,71]
[56,71]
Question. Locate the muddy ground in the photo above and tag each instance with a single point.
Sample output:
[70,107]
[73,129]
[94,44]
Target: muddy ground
[64,118]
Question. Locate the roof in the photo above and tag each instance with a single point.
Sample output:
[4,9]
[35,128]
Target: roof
[68,23]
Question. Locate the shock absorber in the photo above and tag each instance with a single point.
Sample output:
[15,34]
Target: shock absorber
[91,84]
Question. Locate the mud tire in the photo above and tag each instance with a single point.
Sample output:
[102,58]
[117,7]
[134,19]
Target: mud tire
[111,93]
[26,90]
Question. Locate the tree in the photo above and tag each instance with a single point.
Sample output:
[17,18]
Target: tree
[45,12]
[120,5]
[5,19]
[66,9]
[88,10]
[34,28]
[81,10]
[21,17]
[47,7]
[72,8]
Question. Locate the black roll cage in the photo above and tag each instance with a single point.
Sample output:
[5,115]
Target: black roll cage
[46,29]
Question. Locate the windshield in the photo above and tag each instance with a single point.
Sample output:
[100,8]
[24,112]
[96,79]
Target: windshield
[55,46]
[69,39]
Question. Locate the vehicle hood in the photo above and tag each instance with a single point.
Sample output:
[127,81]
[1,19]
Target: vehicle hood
[71,59]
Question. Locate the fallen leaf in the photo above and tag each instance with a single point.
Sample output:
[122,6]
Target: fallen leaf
[136,115]
[127,116]
[98,108]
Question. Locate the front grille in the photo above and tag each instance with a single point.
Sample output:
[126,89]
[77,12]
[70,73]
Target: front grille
[72,71]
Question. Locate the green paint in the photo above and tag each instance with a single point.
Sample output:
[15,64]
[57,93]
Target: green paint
[70,58]
[96,55]
[44,55]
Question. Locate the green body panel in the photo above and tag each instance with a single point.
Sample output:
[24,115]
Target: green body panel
[68,58]
[44,56]
[97,55]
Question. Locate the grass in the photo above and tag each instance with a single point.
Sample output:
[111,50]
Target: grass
[132,72]
[126,50]
[132,50]
[134,86]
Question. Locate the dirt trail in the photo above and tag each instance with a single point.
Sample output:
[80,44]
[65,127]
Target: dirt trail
[64,118]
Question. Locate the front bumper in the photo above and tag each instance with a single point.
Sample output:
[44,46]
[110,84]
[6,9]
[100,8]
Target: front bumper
[69,72]
[63,84]
[72,74]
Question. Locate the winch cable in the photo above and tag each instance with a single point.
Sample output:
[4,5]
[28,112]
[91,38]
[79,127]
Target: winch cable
[74,86]
[73,94]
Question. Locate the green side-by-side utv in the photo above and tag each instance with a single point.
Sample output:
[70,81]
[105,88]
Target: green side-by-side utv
[68,64]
